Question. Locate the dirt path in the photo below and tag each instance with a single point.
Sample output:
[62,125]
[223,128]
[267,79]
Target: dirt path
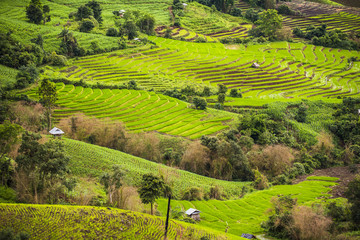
[343,173]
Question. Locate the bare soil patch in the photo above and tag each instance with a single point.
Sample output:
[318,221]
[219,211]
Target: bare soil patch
[343,173]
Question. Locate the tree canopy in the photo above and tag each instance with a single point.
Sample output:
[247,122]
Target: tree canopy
[151,188]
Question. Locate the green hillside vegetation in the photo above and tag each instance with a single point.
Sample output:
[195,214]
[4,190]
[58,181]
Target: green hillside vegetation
[202,19]
[139,110]
[287,70]
[7,75]
[238,108]
[246,214]
[91,160]
[75,222]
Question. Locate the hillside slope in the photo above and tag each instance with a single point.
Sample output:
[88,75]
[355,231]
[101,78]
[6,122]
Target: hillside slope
[69,222]
[91,160]
[246,214]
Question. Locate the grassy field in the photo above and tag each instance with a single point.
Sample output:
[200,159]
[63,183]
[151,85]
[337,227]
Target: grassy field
[246,214]
[139,110]
[81,222]
[90,160]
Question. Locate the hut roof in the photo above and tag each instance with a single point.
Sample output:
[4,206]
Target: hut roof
[248,236]
[192,211]
[255,65]
[56,131]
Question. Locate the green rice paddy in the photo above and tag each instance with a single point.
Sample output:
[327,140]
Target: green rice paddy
[246,214]
[83,222]
[138,110]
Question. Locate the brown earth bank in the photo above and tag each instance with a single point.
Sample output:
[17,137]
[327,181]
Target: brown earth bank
[343,173]
[351,3]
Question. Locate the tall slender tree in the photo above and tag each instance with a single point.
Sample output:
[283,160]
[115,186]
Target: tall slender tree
[47,95]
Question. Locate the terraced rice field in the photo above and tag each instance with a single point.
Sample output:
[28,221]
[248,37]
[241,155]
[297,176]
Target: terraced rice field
[343,21]
[183,34]
[138,110]
[83,222]
[287,70]
[238,32]
[87,160]
[246,214]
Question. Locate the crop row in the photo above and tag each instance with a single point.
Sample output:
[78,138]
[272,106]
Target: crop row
[139,110]
[246,214]
[288,69]
[75,222]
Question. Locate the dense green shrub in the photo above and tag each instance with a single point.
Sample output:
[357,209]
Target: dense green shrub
[236,12]
[192,194]
[7,195]
[84,12]
[86,26]
[200,103]
[111,32]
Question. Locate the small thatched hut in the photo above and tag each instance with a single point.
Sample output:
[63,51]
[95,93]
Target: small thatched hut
[193,213]
[56,132]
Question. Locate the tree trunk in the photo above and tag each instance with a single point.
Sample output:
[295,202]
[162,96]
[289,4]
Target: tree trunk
[167,218]
[151,208]
[49,118]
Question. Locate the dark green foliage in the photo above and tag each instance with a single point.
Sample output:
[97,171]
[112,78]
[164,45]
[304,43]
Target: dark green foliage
[284,9]
[346,126]
[146,24]
[132,85]
[56,60]
[221,98]
[200,103]
[278,224]
[235,93]
[322,37]
[268,23]
[96,9]
[14,54]
[200,40]
[69,45]
[34,12]
[47,95]
[151,188]
[219,106]
[86,26]
[112,32]
[130,29]
[175,94]
[84,12]
[8,234]
[192,194]
[7,195]
[8,137]
[301,113]
[26,76]
[95,48]
[353,195]
[252,15]
[231,40]
[236,12]
[45,164]
[206,92]
[222,89]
